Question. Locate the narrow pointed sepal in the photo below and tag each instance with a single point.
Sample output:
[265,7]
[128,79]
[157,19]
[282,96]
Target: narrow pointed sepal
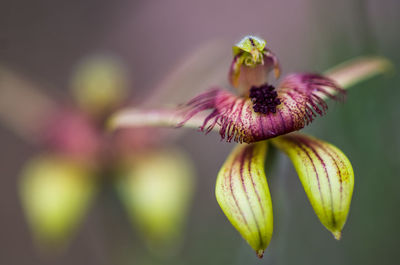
[300,101]
[326,174]
[357,70]
[243,194]
[56,192]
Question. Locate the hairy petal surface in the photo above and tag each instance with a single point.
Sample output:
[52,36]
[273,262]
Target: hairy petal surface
[301,101]
[326,174]
[243,194]
[348,74]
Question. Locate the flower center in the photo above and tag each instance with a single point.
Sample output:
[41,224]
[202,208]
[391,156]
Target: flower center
[264,98]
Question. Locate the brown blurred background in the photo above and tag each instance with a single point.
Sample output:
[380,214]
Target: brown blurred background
[43,41]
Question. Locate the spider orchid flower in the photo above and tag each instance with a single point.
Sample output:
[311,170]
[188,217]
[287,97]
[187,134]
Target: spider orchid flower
[79,157]
[262,111]
[260,114]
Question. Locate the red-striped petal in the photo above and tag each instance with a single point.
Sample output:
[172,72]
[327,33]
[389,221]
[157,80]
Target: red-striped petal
[243,194]
[326,174]
[301,97]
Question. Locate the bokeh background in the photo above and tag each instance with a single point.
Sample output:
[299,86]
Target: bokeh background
[43,41]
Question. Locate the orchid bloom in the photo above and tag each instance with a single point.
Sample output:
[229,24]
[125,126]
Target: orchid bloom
[78,157]
[258,115]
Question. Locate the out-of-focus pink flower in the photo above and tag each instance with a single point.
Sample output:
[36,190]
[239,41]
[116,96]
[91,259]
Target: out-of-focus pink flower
[78,152]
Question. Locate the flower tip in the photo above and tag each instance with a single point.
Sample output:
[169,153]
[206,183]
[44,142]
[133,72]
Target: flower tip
[260,253]
[337,234]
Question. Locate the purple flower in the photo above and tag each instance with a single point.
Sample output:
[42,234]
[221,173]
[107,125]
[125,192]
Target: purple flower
[261,111]
[260,114]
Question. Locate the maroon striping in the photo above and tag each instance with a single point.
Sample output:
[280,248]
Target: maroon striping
[309,144]
[244,153]
[263,115]
[235,199]
[295,141]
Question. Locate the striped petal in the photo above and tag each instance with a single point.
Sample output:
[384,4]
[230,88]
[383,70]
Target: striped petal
[243,194]
[301,101]
[326,174]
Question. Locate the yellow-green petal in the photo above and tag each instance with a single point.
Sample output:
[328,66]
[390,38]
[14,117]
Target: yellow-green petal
[326,174]
[156,188]
[243,194]
[99,83]
[55,193]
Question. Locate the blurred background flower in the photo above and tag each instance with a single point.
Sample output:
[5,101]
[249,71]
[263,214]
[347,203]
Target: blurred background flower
[43,40]
[79,158]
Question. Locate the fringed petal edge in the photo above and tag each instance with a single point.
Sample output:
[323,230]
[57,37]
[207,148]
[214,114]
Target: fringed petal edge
[301,97]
